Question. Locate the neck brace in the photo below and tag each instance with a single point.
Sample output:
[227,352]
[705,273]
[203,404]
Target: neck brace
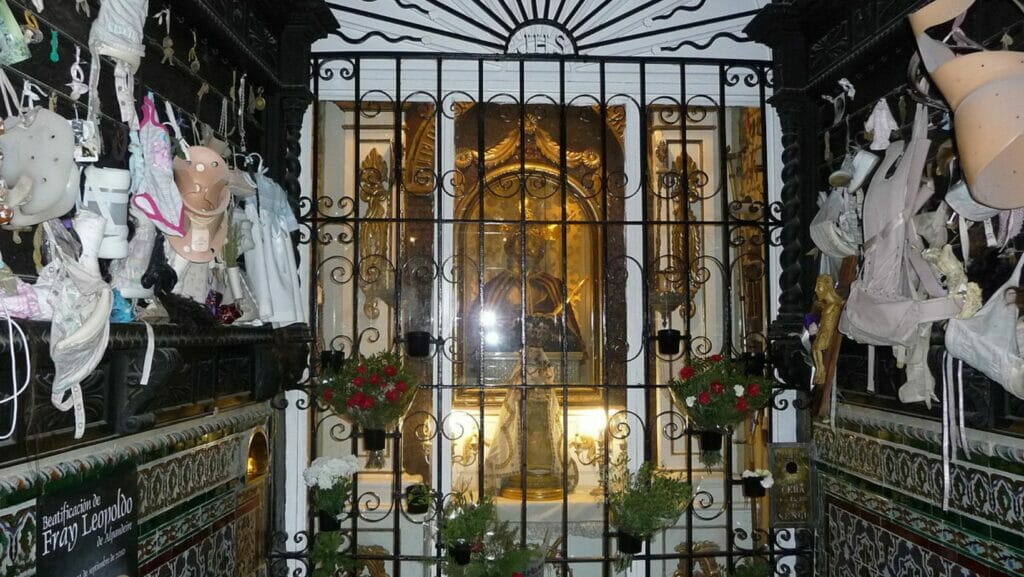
[960,200]
[202,181]
[983,90]
[38,162]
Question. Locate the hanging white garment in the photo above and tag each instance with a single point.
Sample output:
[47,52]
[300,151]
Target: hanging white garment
[271,262]
[81,312]
[880,124]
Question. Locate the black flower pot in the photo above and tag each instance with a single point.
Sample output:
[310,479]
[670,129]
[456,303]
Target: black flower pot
[460,553]
[668,342]
[374,439]
[328,522]
[710,441]
[630,544]
[417,343]
[752,487]
[417,499]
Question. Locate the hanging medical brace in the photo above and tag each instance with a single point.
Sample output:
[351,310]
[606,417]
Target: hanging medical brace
[884,308]
[117,33]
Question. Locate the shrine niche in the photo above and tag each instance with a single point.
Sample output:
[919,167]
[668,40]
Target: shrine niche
[527,238]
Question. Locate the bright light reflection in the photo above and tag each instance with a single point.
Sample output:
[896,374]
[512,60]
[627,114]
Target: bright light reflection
[492,338]
[488,318]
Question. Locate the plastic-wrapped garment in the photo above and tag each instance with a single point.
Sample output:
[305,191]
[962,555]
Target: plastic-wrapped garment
[156,194]
[81,312]
[271,263]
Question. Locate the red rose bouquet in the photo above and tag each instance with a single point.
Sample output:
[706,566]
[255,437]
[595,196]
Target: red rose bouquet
[372,392]
[715,393]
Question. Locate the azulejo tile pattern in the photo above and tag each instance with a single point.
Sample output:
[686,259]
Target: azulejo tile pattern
[18,540]
[946,534]
[182,476]
[983,494]
[856,546]
[213,556]
[169,534]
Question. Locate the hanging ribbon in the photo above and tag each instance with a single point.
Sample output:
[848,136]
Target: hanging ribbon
[241,112]
[30,95]
[77,85]
[39,5]
[82,7]
[163,18]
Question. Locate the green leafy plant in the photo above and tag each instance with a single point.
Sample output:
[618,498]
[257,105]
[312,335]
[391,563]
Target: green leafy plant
[752,567]
[419,497]
[717,392]
[495,550]
[330,554]
[465,522]
[647,502]
[373,392]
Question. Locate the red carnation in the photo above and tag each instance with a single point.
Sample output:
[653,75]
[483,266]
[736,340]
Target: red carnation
[717,358]
[361,369]
[393,396]
[358,381]
[704,398]
[353,401]
[390,371]
[368,402]
[328,395]
[717,388]
[753,390]
[686,372]
[741,405]
[401,386]
[375,379]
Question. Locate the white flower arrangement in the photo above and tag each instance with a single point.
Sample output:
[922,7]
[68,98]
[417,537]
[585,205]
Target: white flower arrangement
[739,390]
[325,472]
[690,401]
[766,476]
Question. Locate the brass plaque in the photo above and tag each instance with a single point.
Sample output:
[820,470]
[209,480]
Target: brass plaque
[791,498]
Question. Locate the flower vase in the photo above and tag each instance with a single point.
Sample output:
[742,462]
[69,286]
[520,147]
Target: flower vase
[460,552]
[328,522]
[417,344]
[630,544]
[753,488]
[710,447]
[668,342]
[374,441]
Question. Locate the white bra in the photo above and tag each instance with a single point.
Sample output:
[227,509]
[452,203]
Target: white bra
[988,340]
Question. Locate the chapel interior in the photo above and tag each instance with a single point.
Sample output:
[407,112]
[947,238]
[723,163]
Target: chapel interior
[511,288]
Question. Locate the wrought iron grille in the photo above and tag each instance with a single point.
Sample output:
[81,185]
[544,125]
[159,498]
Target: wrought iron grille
[515,212]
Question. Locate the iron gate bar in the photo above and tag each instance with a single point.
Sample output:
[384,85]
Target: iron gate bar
[649,426]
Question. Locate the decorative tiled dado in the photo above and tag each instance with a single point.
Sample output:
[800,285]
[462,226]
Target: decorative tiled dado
[855,545]
[978,492]
[212,556]
[175,479]
[18,540]
[169,534]
[947,534]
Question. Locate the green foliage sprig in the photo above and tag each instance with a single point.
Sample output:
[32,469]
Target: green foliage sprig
[330,555]
[647,502]
[466,522]
[752,567]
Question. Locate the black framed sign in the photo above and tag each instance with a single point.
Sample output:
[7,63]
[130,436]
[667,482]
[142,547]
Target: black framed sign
[90,530]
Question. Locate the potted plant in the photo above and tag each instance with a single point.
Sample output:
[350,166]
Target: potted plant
[418,498]
[464,526]
[717,393]
[417,343]
[373,392]
[498,554]
[330,555]
[756,482]
[644,503]
[752,567]
[330,479]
